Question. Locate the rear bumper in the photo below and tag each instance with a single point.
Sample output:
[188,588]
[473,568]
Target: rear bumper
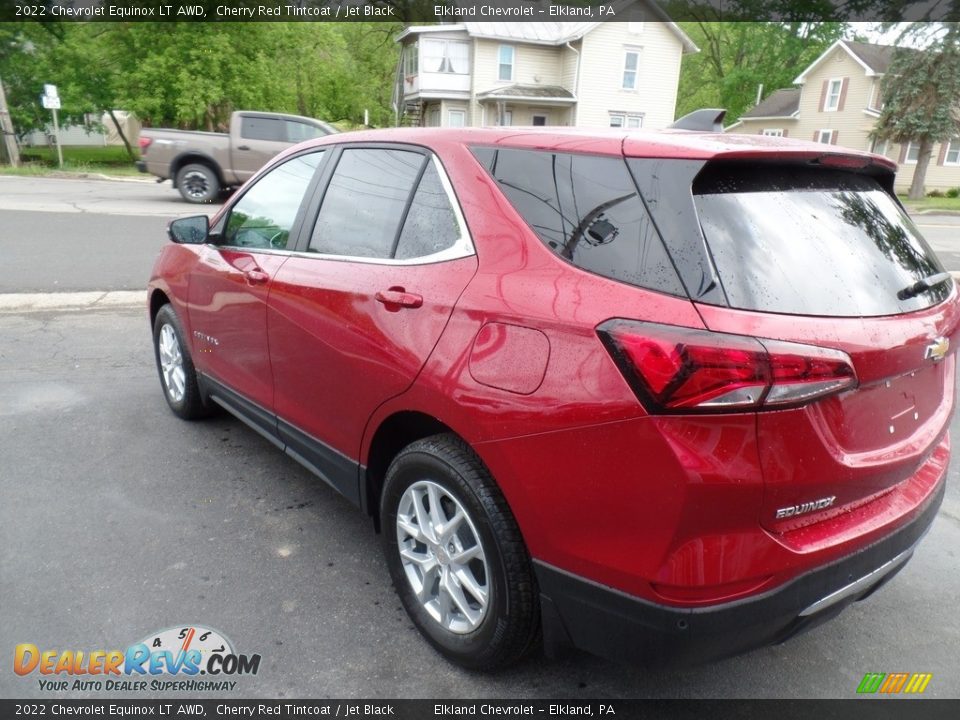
[580,613]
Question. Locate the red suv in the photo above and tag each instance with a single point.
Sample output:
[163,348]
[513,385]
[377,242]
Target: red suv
[663,396]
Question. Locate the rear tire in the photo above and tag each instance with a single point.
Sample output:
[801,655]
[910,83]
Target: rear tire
[178,377]
[456,556]
[198,183]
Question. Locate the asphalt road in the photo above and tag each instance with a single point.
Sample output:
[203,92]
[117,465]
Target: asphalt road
[61,235]
[118,520]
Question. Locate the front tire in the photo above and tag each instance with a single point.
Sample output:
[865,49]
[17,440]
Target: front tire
[456,556]
[178,377]
[198,183]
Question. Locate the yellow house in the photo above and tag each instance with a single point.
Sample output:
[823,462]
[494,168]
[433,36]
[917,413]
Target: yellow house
[580,74]
[837,101]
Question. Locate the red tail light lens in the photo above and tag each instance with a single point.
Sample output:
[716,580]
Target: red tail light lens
[144,143]
[674,369]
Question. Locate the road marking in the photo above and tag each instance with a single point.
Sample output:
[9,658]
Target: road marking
[96,300]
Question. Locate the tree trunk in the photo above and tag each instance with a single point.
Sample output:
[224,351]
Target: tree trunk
[7,139]
[122,135]
[920,171]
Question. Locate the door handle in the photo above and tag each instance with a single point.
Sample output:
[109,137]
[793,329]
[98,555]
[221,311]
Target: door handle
[243,147]
[256,277]
[398,297]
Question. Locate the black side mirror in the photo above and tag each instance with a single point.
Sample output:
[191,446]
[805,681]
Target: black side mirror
[189,230]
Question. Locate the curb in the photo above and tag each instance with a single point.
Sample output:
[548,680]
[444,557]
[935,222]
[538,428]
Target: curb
[95,300]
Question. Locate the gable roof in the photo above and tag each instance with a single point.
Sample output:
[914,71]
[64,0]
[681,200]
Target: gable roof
[873,58]
[877,57]
[550,33]
[783,103]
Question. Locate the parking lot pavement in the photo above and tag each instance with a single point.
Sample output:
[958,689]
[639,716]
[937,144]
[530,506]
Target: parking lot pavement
[119,520]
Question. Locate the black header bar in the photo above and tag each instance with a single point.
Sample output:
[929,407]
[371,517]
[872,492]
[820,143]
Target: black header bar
[453,11]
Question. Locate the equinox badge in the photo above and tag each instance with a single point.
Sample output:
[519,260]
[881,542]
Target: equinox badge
[937,350]
[805,507]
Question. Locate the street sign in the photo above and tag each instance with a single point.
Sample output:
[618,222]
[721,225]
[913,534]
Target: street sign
[50,103]
[50,91]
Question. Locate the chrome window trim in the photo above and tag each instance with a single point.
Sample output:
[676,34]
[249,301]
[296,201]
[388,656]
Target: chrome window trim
[463,247]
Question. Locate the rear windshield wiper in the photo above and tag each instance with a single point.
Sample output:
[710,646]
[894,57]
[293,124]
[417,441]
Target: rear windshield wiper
[922,285]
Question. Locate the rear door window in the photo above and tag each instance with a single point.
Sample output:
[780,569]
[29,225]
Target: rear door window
[813,242]
[260,128]
[587,210]
[389,204]
[365,202]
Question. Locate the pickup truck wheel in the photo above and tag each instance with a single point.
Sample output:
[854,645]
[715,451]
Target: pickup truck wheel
[198,183]
[456,556]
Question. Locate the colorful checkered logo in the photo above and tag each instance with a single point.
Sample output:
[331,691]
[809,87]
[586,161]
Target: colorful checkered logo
[892,683]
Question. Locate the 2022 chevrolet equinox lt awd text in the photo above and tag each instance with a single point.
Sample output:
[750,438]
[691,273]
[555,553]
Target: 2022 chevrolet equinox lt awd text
[663,396]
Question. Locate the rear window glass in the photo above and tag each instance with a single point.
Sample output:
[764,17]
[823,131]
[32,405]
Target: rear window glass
[587,210]
[813,242]
[259,128]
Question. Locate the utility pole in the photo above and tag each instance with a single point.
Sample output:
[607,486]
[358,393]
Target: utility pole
[6,129]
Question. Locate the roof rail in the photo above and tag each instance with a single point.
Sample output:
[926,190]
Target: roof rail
[705,120]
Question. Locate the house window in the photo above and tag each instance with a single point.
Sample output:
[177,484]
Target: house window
[626,120]
[410,60]
[539,120]
[433,118]
[505,62]
[824,136]
[913,152]
[456,118]
[631,63]
[505,118]
[952,156]
[445,56]
[772,132]
[834,88]
[879,147]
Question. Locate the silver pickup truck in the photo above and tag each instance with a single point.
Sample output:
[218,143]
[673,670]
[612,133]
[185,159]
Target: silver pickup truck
[201,164]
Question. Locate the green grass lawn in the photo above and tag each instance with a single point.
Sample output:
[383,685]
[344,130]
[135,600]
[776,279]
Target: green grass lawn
[931,203]
[109,160]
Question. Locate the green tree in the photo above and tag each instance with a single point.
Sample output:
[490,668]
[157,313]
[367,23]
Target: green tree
[920,92]
[735,58]
[25,67]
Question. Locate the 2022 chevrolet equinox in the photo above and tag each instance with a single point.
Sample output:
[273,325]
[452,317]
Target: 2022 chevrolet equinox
[662,396]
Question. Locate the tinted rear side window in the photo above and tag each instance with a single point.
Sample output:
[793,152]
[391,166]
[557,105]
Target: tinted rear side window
[812,242]
[258,128]
[365,201]
[587,210]
[431,225]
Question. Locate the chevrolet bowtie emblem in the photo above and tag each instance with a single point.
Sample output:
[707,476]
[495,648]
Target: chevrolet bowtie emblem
[937,350]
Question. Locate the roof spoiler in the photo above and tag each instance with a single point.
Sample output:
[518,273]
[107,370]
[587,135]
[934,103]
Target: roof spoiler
[705,120]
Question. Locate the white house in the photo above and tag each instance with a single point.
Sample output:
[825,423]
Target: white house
[582,74]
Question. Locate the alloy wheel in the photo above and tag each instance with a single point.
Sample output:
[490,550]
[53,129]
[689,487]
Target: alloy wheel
[442,557]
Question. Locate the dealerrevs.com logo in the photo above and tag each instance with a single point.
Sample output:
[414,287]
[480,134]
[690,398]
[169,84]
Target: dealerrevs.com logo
[184,653]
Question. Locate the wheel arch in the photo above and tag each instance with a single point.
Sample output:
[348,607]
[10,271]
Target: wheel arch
[392,435]
[195,157]
[158,298]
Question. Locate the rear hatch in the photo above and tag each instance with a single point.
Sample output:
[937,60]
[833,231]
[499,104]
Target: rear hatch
[826,257]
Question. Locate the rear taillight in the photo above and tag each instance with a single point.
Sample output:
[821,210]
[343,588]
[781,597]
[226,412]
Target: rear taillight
[144,143]
[680,370]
